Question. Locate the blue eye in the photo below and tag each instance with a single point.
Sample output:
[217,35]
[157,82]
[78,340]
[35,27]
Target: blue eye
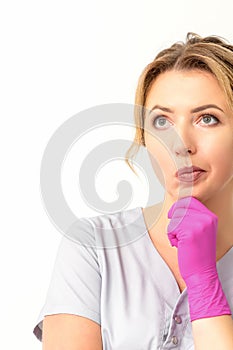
[161,123]
[209,119]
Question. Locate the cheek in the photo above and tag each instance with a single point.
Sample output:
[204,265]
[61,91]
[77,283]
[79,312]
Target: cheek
[218,155]
[160,157]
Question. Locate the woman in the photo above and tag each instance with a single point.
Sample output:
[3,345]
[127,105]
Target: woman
[173,286]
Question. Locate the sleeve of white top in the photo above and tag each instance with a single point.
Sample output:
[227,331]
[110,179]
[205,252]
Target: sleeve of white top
[75,284]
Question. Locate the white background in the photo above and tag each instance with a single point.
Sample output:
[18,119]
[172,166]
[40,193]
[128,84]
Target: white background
[57,59]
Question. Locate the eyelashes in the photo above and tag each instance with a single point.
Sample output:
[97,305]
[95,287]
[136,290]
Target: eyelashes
[210,116]
[161,122]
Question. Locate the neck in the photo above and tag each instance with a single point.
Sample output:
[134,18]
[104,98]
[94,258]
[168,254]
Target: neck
[222,206]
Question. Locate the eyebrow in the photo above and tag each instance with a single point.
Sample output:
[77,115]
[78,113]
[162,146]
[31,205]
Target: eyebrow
[195,110]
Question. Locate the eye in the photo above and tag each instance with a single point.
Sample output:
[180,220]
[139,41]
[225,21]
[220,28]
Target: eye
[209,119]
[161,123]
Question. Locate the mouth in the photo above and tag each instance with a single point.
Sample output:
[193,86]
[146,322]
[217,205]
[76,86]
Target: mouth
[189,174]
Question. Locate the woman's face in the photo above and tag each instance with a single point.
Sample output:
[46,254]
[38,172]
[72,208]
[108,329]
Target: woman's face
[189,128]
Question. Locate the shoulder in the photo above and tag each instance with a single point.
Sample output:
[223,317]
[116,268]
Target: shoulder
[107,230]
[88,237]
[117,229]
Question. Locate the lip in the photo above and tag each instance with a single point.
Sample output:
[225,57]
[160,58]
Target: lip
[189,174]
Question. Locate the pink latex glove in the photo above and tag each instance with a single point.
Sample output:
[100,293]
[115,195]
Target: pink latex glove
[193,230]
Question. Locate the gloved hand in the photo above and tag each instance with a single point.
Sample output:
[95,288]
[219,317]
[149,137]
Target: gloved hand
[193,230]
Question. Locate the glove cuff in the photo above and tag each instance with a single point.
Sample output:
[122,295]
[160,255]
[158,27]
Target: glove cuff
[206,297]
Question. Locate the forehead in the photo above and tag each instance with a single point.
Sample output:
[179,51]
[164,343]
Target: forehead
[185,88]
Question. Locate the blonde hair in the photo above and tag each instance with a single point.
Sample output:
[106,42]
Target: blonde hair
[212,54]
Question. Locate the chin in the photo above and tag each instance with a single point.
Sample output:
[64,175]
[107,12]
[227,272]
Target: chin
[202,194]
[205,196]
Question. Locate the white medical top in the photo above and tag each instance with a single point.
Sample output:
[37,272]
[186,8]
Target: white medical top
[108,270]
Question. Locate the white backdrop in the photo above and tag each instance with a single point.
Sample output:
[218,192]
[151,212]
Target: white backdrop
[57,59]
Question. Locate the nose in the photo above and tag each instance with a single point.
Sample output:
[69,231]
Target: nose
[182,150]
[183,143]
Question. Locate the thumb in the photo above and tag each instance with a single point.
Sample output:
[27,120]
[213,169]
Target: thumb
[183,203]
